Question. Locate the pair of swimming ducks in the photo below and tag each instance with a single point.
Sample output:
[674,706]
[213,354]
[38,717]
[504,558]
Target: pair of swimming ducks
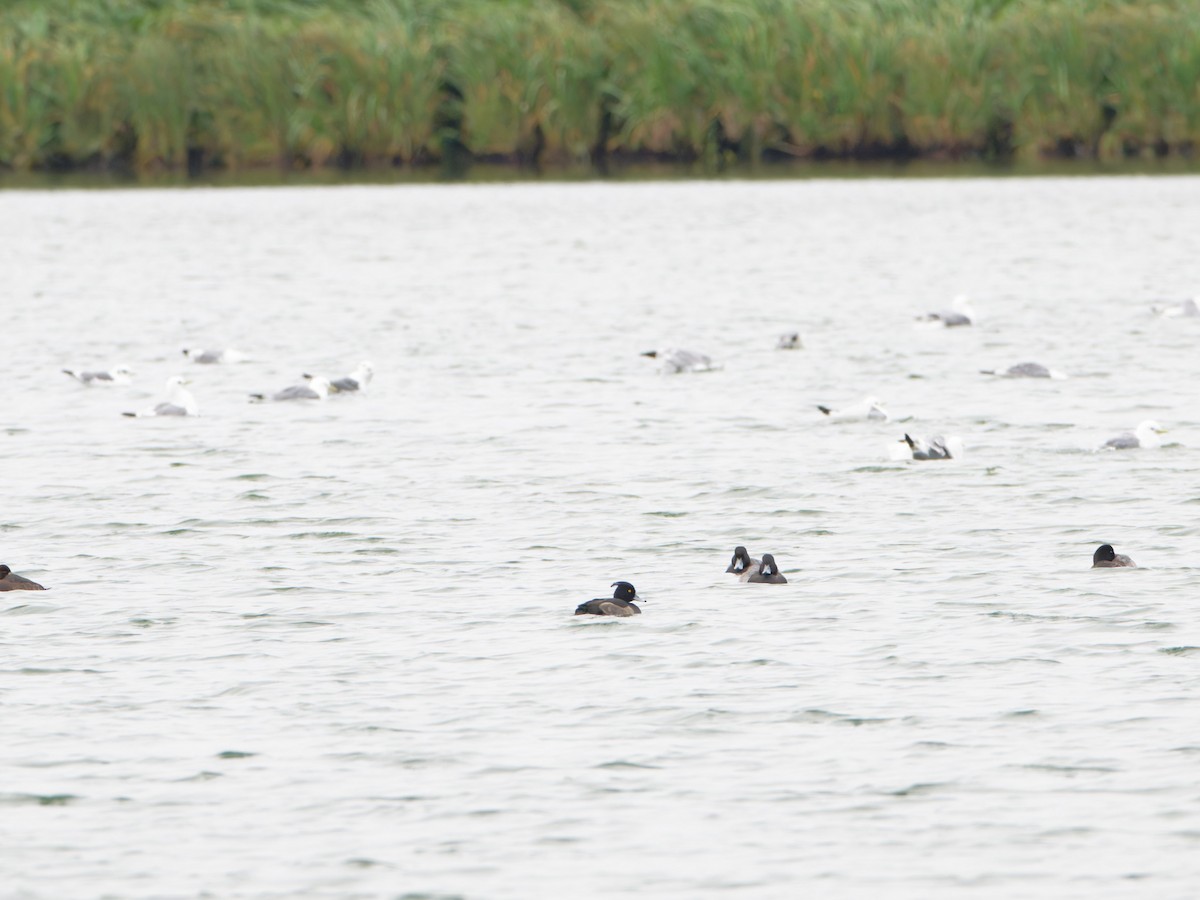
[621,603]
[766,572]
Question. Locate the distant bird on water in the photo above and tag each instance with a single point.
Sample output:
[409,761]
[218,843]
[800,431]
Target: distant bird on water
[742,565]
[1187,309]
[1145,436]
[317,388]
[769,574]
[1024,370]
[1107,558]
[789,341]
[620,605]
[933,447]
[180,402]
[673,361]
[214,357]
[958,315]
[115,375]
[866,408]
[11,581]
[355,381]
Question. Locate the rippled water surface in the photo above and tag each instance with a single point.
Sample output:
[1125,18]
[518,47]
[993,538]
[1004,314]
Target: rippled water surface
[327,650]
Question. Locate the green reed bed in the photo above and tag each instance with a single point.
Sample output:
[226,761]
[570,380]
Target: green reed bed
[145,84]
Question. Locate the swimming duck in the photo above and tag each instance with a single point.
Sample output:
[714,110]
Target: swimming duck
[619,605]
[180,402]
[1107,558]
[1144,436]
[674,361]
[11,581]
[742,565]
[769,573]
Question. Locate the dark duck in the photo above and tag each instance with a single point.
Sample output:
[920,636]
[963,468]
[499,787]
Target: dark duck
[769,573]
[1106,557]
[11,581]
[742,565]
[619,605]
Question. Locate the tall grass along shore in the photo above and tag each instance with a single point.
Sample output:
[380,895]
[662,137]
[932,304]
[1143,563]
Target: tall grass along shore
[141,85]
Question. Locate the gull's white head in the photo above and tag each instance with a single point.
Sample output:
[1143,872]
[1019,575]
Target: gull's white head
[363,372]
[1147,433]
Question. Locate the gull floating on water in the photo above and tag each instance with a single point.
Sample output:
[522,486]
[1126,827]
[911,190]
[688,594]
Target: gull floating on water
[1187,309]
[1144,436]
[115,375]
[355,381]
[180,402]
[213,357]
[933,447]
[1025,370]
[959,314]
[317,388]
[674,361]
[789,341]
[867,408]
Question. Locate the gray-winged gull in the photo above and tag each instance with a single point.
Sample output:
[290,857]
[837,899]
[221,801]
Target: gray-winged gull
[1144,436]
[933,447]
[1187,309]
[867,408]
[115,375]
[355,381]
[317,388]
[214,357]
[1025,370]
[673,361]
[959,314]
[179,402]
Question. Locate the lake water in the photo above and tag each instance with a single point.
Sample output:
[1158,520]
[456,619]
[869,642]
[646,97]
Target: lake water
[327,650]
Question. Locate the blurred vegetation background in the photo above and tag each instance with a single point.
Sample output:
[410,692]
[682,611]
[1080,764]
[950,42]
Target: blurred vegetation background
[143,85]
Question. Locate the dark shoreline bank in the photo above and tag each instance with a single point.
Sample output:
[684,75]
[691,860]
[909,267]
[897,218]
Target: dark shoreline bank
[622,173]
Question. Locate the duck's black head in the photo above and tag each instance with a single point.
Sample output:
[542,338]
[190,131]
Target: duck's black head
[623,590]
[768,565]
[740,561]
[4,570]
[1104,553]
